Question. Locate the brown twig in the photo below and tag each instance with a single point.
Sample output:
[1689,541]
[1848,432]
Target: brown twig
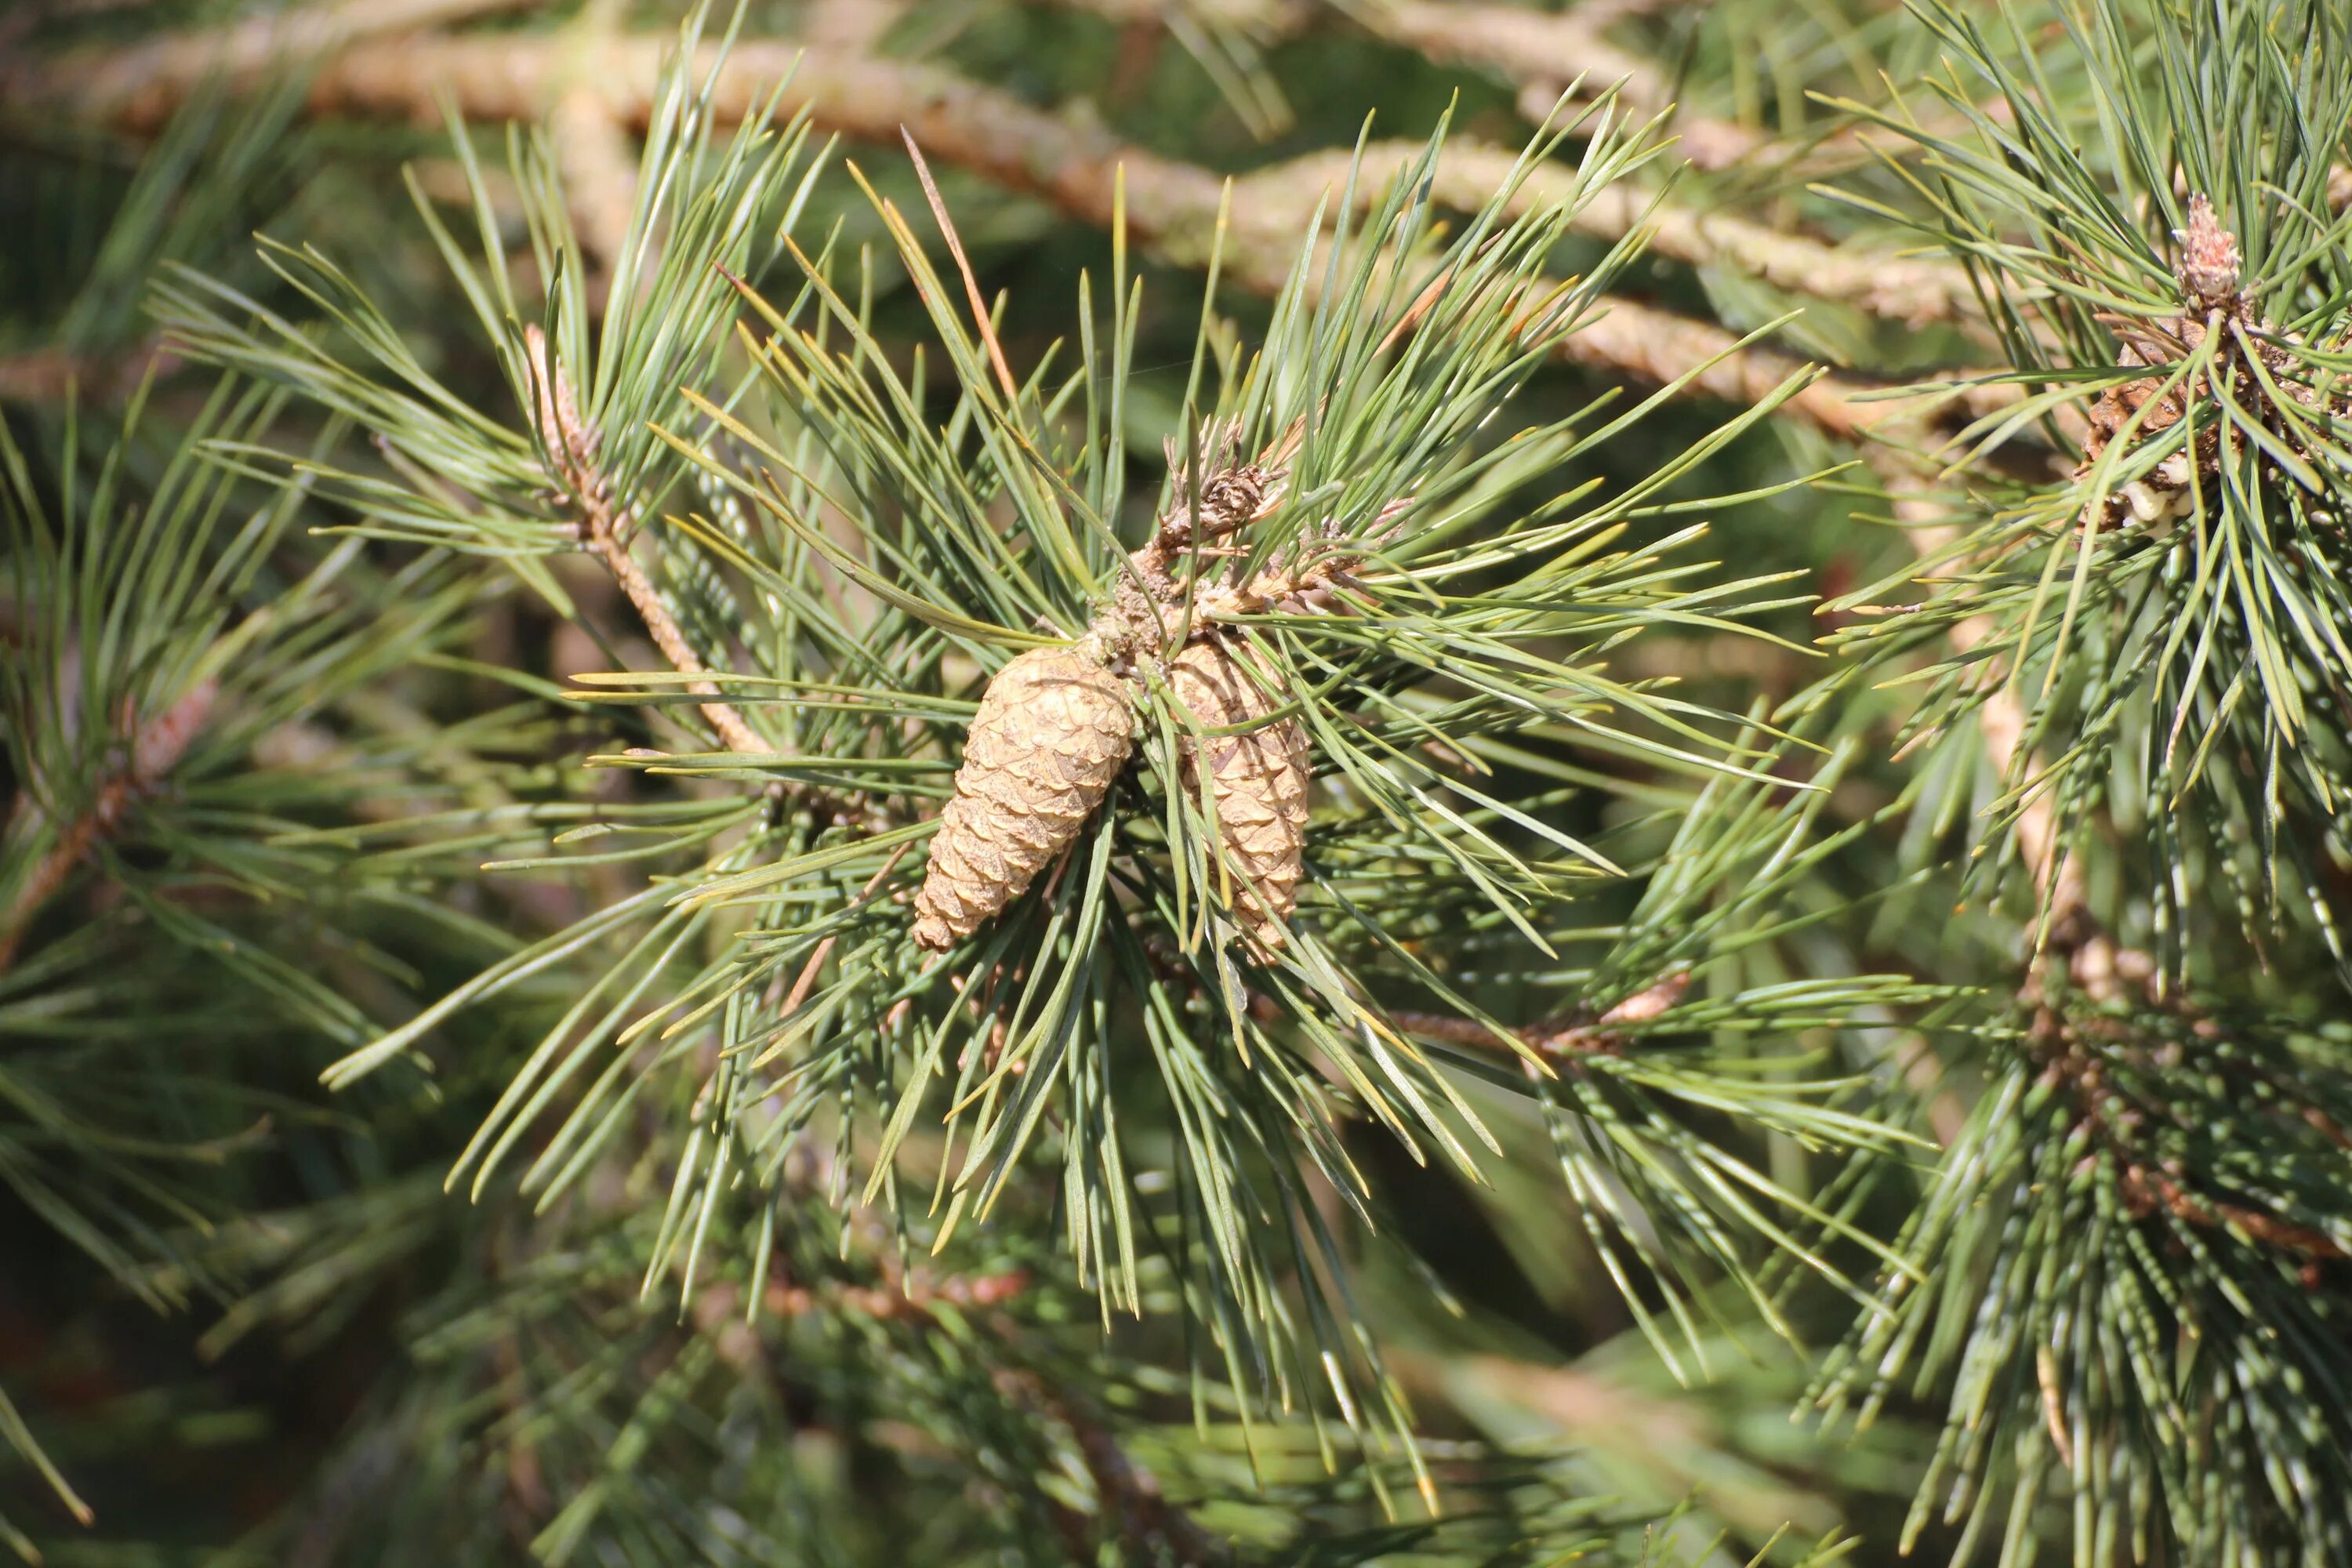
[1544,54]
[1910,289]
[156,751]
[597,158]
[50,376]
[1543,51]
[807,982]
[605,527]
[1564,1037]
[852,24]
[600,175]
[144,82]
[2147,1188]
[2073,1048]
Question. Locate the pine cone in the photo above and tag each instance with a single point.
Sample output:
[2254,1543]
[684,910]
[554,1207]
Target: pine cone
[1259,777]
[1053,731]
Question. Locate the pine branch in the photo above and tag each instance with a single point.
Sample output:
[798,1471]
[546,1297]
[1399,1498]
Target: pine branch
[154,750]
[605,526]
[1568,1036]
[1543,52]
[913,1298]
[1574,1032]
[852,24]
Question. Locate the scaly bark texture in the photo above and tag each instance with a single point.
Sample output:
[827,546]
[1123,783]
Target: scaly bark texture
[1052,732]
[1257,779]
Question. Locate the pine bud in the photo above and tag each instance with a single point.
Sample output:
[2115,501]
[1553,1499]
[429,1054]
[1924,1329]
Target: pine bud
[1258,778]
[1053,731]
[2208,258]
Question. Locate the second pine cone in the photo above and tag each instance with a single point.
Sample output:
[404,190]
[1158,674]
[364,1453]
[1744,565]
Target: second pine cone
[1258,780]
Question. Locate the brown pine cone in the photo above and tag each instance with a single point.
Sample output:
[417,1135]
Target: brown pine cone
[1259,777]
[1053,731]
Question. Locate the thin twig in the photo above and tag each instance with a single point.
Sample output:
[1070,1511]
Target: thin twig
[156,751]
[852,24]
[51,375]
[2073,1050]
[1564,1037]
[1910,289]
[1545,53]
[596,155]
[147,80]
[914,1299]
[604,526]
[807,979]
[600,175]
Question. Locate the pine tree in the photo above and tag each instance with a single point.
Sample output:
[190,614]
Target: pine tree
[779,797]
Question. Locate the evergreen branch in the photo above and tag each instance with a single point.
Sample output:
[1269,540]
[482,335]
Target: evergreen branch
[605,527]
[1544,54]
[2119,977]
[154,750]
[1549,54]
[1568,1037]
[910,1298]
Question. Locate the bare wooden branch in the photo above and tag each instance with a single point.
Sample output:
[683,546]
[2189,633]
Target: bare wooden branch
[144,81]
[1172,205]
[1910,289]
[916,1297]
[599,163]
